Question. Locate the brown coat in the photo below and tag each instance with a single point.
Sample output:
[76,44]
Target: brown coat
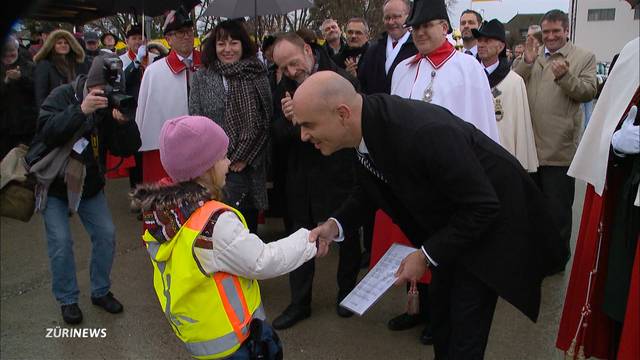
[556,115]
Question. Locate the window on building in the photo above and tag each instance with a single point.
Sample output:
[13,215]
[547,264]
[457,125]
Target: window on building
[636,13]
[601,15]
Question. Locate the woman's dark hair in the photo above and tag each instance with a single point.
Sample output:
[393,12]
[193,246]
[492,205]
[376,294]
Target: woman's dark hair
[233,29]
[65,64]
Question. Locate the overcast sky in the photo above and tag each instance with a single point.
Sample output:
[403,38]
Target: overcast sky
[504,10]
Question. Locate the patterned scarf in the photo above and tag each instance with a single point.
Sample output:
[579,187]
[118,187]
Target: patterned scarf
[248,107]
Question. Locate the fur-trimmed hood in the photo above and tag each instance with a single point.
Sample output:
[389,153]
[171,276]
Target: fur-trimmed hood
[50,43]
[166,207]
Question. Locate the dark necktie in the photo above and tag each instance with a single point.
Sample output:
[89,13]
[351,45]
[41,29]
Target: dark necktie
[368,164]
[468,52]
[187,63]
[394,43]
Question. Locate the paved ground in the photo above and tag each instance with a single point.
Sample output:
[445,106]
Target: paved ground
[28,308]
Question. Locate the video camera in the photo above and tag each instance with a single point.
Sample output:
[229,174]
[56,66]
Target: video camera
[114,91]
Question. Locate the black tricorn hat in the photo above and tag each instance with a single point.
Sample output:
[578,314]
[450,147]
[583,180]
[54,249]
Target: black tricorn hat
[177,19]
[427,10]
[493,29]
[134,30]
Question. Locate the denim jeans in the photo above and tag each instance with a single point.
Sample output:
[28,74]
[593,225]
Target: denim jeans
[272,349]
[96,219]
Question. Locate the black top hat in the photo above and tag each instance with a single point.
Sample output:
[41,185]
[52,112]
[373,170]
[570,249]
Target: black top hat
[177,19]
[427,10]
[134,30]
[493,29]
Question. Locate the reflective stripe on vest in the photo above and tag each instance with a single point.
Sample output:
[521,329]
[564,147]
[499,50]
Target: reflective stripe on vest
[225,325]
[224,342]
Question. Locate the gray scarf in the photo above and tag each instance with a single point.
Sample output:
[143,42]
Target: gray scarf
[57,163]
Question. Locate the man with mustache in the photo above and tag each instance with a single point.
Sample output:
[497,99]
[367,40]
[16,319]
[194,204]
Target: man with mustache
[357,44]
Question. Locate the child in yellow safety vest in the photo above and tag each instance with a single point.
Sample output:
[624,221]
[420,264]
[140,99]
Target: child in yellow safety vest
[206,263]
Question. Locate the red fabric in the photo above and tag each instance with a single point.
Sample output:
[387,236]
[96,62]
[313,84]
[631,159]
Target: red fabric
[595,331]
[131,55]
[117,169]
[177,66]
[629,348]
[152,169]
[437,57]
[385,234]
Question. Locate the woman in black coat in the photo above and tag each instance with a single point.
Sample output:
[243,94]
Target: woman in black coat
[17,102]
[58,62]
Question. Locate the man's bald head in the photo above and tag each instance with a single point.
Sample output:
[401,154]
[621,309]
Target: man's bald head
[324,90]
[328,110]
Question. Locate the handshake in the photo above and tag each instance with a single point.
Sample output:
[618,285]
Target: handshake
[323,235]
[411,269]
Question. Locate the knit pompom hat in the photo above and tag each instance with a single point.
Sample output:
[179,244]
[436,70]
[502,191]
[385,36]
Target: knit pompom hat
[191,145]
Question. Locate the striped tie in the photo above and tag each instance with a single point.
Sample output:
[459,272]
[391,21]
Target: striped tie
[366,161]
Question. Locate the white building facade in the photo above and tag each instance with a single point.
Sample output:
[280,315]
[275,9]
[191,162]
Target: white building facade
[603,26]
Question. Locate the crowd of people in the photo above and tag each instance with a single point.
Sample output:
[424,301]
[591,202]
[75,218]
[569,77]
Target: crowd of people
[469,155]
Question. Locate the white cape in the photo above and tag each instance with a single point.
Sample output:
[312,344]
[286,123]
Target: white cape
[591,159]
[516,132]
[163,96]
[460,85]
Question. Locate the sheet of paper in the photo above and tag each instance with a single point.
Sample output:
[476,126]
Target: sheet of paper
[377,281]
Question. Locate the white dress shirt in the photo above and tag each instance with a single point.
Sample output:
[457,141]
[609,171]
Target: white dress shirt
[491,68]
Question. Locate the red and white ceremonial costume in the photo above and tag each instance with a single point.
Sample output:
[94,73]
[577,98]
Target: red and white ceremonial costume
[163,96]
[585,330]
[460,85]
[129,57]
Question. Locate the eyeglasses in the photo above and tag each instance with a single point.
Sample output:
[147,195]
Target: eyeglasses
[392,17]
[181,33]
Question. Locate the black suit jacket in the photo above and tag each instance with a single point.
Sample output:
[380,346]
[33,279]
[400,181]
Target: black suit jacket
[315,185]
[459,194]
[348,52]
[373,79]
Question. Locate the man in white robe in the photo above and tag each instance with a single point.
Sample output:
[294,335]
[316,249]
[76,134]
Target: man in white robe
[509,95]
[440,75]
[164,92]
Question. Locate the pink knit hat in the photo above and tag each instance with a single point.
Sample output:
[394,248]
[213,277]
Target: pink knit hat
[191,145]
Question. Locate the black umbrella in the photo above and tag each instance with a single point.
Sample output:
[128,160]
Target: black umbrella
[81,11]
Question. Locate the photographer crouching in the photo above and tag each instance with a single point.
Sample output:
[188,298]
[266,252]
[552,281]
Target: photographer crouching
[77,124]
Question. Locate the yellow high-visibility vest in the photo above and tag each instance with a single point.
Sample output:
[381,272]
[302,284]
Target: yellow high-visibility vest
[211,314]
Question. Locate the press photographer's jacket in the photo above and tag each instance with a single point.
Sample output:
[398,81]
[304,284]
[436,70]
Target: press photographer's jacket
[61,117]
